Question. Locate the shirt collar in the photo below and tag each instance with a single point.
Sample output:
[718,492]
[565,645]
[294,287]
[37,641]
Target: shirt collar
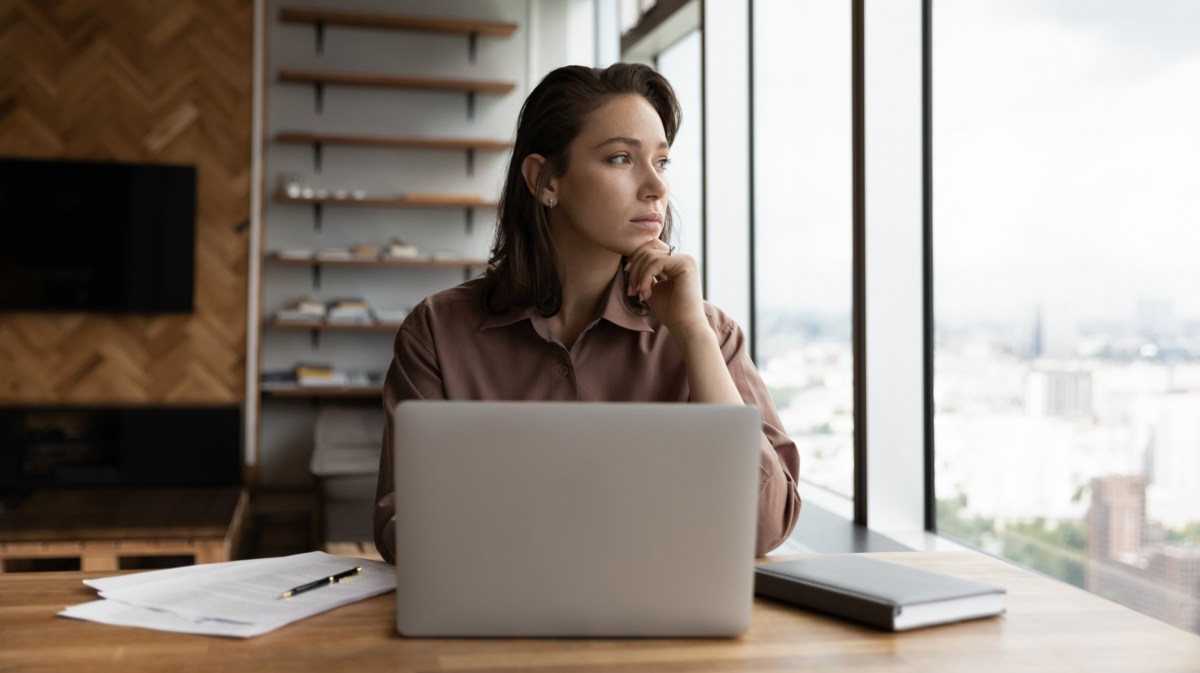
[614,310]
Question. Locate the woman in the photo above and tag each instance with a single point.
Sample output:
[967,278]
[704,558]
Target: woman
[584,298]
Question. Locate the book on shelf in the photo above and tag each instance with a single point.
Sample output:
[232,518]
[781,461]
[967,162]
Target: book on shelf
[277,378]
[319,375]
[360,379]
[349,311]
[304,310]
[885,595]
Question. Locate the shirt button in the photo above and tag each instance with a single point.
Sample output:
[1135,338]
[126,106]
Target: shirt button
[563,371]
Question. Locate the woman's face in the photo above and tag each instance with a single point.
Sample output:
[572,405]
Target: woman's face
[613,195]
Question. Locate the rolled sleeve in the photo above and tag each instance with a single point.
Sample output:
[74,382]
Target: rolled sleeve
[779,460]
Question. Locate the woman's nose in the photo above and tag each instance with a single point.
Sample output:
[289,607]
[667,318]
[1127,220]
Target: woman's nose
[654,184]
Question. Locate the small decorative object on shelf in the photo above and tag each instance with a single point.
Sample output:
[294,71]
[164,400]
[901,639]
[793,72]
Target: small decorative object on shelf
[398,249]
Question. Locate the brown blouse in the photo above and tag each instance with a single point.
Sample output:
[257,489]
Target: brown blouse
[449,347]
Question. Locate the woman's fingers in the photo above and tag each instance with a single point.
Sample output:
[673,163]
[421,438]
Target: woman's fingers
[648,265]
[653,263]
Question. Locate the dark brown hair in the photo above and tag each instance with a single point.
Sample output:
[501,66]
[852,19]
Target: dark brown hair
[522,269]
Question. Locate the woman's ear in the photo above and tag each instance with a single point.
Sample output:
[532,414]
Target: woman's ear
[531,170]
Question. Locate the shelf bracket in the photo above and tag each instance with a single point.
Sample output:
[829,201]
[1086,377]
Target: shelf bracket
[316,277]
[470,106]
[466,273]
[319,29]
[318,150]
[319,96]
[318,210]
[315,338]
[470,220]
[472,46]
[470,161]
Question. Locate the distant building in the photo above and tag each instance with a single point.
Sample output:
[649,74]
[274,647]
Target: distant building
[1128,562]
[1062,391]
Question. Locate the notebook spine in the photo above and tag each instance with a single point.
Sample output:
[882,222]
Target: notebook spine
[822,599]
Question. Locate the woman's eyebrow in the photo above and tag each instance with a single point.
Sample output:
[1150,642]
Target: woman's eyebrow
[622,140]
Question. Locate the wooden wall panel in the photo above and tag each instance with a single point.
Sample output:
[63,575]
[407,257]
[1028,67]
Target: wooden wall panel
[136,80]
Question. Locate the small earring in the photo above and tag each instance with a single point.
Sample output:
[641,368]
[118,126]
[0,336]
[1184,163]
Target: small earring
[552,202]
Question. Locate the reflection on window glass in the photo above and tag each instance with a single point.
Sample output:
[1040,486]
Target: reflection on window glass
[680,64]
[1067,291]
[803,228]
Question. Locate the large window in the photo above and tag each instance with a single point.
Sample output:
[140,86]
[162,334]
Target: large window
[680,63]
[1067,291]
[803,228]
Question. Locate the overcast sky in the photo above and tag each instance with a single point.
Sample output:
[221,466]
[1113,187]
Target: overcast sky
[1066,155]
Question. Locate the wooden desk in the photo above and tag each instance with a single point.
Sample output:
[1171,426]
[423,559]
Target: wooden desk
[1049,627]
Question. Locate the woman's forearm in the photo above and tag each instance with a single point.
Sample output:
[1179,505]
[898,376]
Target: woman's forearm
[708,375]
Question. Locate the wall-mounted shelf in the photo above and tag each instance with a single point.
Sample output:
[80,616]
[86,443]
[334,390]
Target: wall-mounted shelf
[322,391]
[445,263]
[397,81]
[320,18]
[467,265]
[423,24]
[319,140]
[304,137]
[320,79]
[315,328]
[393,133]
[409,201]
[426,201]
[334,326]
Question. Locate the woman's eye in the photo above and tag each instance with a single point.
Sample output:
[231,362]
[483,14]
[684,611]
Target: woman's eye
[620,159]
[663,163]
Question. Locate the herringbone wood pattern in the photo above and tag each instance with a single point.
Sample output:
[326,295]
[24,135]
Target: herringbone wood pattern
[136,80]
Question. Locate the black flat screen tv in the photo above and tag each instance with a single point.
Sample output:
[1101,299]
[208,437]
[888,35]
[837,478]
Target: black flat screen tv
[92,236]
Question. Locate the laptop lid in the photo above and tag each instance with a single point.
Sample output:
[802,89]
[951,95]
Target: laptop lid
[575,519]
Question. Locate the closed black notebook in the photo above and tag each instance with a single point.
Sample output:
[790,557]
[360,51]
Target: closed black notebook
[886,595]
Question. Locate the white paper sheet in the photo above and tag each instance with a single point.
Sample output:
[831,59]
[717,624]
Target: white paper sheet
[238,599]
[117,613]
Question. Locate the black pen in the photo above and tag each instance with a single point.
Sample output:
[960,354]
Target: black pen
[324,581]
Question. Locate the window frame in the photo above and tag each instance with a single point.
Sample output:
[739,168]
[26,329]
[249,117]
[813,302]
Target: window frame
[881,46]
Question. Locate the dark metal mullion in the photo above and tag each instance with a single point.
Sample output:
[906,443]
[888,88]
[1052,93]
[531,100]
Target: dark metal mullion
[859,271]
[927,254]
[703,154]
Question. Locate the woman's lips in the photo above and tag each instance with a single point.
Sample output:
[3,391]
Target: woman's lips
[649,222]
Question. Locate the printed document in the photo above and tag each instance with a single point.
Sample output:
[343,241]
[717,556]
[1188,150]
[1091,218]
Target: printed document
[236,599]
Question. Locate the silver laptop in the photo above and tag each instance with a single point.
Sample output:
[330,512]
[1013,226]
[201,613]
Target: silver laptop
[560,519]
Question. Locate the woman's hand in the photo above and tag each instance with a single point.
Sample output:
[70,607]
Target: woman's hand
[669,284]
